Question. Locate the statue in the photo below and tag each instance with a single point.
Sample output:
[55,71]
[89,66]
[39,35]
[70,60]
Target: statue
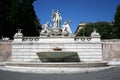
[95,34]
[18,34]
[55,30]
[46,26]
[66,27]
[56,18]
[46,29]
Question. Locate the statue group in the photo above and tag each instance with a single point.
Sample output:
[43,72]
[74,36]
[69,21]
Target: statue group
[55,29]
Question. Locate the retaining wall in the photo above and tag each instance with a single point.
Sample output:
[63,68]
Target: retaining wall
[5,50]
[27,48]
[110,48]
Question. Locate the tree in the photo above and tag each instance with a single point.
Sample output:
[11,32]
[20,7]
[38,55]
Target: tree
[104,28]
[19,14]
[28,21]
[117,16]
[86,30]
[2,15]
[117,20]
[107,30]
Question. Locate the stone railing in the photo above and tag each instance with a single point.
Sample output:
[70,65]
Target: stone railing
[76,39]
[82,39]
[87,39]
[30,39]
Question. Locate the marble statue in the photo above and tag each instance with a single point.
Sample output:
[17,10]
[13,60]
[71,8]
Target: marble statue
[66,26]
[55,30]
[46,29]
[18,34]
[95,34]
[56,18]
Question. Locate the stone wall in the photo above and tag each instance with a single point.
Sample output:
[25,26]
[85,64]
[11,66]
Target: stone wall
[5,50]
[26,49]
[111,50]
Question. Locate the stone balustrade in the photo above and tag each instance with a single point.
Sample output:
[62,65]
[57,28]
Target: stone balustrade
[76,39]
[87,39]
[30,39]
[82,39]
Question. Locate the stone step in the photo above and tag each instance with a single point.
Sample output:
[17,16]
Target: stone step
[76,64]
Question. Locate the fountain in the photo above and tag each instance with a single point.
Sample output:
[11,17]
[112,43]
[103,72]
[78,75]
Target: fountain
[56,45]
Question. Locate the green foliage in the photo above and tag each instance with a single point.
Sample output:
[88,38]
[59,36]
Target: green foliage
[87,30]
[117,16]
[115,33]
[103,28]
[2,15]
[107,30]
[117,20]
[19,14]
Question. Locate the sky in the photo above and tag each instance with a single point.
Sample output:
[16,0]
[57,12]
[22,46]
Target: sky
[76,10]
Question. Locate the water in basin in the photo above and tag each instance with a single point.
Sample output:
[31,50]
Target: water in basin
[58,56]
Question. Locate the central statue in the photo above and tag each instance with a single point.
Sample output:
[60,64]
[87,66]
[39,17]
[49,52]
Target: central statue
[56,18]
[55,29]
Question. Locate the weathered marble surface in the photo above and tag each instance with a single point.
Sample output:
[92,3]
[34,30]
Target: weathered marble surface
[26,50]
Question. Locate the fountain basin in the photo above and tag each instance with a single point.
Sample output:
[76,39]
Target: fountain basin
[58,56]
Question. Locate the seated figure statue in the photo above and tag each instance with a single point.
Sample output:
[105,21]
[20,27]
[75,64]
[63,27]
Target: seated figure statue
[45,30]
[18,34]
[95,34]
[66,28]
